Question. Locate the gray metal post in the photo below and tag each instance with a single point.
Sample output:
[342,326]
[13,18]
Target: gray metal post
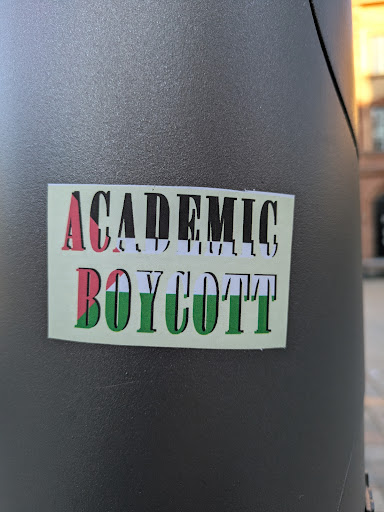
[241,95]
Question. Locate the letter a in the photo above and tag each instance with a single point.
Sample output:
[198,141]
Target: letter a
[74,230]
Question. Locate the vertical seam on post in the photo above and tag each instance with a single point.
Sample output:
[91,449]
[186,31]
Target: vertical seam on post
[332,74]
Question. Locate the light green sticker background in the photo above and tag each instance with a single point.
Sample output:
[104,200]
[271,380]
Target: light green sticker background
[63,276]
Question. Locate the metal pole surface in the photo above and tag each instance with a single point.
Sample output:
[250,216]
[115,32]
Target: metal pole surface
[239,95]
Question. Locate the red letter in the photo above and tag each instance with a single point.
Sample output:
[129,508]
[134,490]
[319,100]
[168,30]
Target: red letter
[88,308]
[74,230]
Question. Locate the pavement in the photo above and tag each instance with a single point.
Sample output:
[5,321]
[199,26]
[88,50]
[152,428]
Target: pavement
[373,290]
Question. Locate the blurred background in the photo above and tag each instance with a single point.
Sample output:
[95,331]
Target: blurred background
[368,35]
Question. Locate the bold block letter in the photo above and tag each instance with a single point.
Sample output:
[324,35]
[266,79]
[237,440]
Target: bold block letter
[157,244]
[266,252]
[94,230]
[219,224]
[172,302]
[74,230]
[88,307]
[205,303]
[127,229]
[117,300]
[147,291]
[264,286]
[237,285]
[247,229]
[187,232]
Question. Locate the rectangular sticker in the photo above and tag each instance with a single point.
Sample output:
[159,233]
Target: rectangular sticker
[169,266]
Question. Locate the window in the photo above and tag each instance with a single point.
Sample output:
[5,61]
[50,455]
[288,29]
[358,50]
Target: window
[377,118]
[377,55]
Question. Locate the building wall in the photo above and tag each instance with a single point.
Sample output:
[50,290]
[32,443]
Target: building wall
[371,189]
[368,29]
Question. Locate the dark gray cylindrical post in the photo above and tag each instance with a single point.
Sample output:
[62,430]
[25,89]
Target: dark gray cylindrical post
[239,95]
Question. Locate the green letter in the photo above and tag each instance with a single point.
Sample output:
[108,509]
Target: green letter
[172,302]
[117,300]
[205,303]
[264,286]
[147,291]
[236,284]
[88,307]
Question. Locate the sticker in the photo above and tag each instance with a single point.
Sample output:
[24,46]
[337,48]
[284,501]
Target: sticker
[168,266]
